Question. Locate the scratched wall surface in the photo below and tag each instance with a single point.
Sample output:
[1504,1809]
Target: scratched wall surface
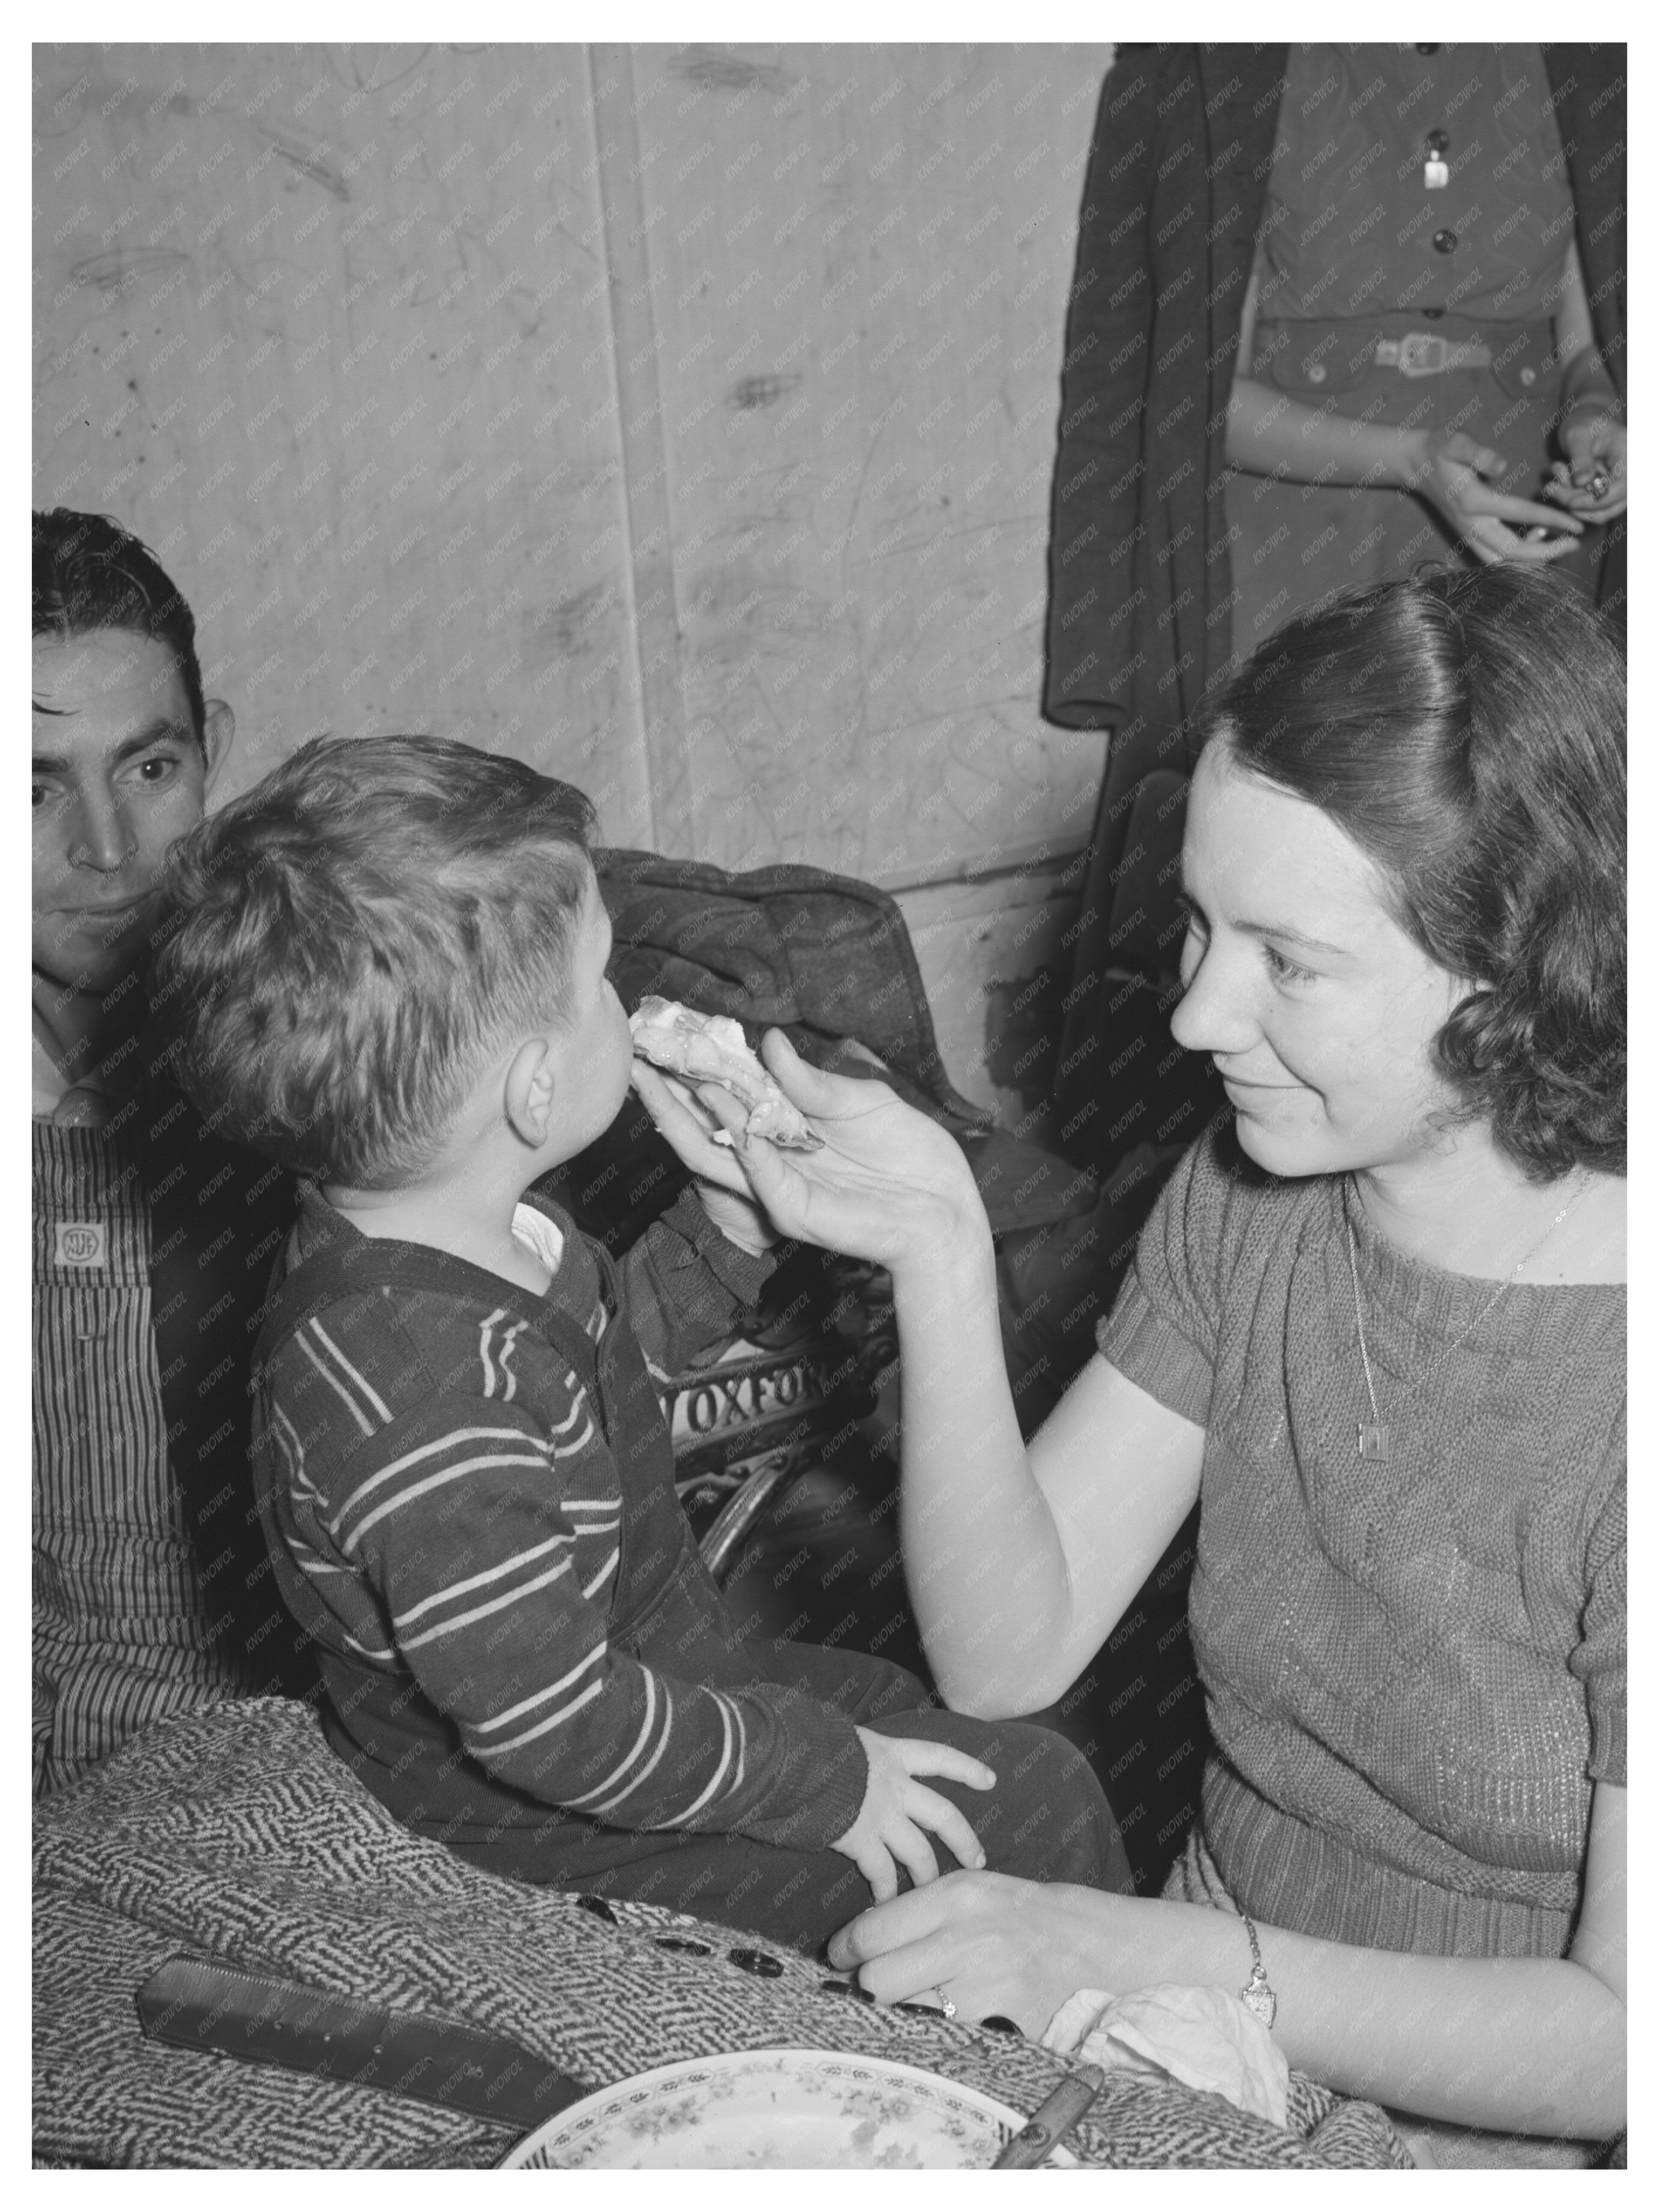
[681,418]
[331,328]
[856,260]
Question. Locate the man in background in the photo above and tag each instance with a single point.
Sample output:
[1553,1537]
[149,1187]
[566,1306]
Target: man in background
[152,1239]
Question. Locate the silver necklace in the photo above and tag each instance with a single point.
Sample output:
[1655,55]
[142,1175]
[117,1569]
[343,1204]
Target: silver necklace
[1375,1439]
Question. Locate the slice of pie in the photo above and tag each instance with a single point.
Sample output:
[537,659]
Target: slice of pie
[712,1048]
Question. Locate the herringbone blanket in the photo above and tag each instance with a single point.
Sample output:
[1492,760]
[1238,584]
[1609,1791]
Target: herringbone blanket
[235,1833]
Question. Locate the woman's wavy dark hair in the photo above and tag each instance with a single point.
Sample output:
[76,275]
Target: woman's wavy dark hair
[1467,731]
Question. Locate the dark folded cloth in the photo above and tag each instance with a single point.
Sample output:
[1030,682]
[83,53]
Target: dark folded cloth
[821,955]
[828,960]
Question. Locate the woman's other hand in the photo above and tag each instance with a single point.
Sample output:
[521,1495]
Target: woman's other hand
[1450,469]
[889,1185]
[995,1943]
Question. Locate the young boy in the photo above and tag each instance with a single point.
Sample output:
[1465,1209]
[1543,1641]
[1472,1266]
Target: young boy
[391,975]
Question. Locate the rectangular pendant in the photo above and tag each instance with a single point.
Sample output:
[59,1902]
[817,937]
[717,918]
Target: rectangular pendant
[1373,1440]
[1436,176]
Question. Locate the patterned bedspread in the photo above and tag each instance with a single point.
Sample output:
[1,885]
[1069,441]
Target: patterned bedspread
[236,1834]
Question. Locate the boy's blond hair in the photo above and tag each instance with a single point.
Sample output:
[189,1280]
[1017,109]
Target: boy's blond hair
[358,935]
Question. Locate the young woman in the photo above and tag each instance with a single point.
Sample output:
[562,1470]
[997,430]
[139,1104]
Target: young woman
[1375,1327]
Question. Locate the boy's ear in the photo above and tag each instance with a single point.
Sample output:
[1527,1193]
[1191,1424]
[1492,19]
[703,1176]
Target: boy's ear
[529,1093]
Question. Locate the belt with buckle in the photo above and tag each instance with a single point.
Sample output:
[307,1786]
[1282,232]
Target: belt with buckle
[1425,353]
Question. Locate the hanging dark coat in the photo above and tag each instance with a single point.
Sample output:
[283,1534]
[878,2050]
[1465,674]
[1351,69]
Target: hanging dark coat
[1140,584]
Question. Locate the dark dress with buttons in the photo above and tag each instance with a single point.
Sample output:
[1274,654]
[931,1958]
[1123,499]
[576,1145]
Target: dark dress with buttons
[1417,224]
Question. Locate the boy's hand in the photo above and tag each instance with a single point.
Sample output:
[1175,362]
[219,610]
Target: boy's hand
[741,1221]
[897,1807]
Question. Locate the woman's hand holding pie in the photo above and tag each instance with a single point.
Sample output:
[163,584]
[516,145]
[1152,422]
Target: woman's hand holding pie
[888,1185]
[689,1126]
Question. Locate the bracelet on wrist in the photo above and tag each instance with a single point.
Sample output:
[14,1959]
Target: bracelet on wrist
[1256,1993]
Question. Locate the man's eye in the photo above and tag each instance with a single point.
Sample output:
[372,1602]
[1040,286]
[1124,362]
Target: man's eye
[157,768]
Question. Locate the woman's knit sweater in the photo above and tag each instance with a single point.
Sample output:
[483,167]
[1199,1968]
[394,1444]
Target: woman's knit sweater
[1414,1667]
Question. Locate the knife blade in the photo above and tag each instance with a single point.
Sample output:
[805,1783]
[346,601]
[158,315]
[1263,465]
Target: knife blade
[200,2005]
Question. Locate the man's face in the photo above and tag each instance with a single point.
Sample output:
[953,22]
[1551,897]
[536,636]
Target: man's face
[118,775]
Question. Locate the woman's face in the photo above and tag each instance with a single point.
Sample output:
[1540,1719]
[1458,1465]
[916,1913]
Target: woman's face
[1316,1008]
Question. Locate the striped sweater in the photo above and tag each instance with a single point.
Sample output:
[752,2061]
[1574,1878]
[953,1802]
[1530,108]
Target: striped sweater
[468,1495]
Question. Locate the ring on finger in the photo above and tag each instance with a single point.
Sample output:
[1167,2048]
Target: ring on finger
[946,2005]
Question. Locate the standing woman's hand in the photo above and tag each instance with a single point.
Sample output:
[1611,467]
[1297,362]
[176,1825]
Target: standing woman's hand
[1592,481]
[1450,469]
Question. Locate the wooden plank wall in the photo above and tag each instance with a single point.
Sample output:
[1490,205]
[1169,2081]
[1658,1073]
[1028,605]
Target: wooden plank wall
[680,418]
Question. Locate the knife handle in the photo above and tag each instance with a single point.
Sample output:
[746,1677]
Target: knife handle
[1056,2116]
[199,2005]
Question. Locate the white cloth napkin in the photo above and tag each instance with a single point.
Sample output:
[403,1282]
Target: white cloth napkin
[1203,2038]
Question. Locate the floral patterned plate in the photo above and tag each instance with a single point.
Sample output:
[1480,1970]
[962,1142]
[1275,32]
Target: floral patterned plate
[778,2109]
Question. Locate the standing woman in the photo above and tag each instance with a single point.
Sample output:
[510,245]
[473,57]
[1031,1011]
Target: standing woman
[1375,1329]
[1417,322]
[1337,309]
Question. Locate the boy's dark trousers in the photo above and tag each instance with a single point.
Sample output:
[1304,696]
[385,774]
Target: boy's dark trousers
[1047,1819]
